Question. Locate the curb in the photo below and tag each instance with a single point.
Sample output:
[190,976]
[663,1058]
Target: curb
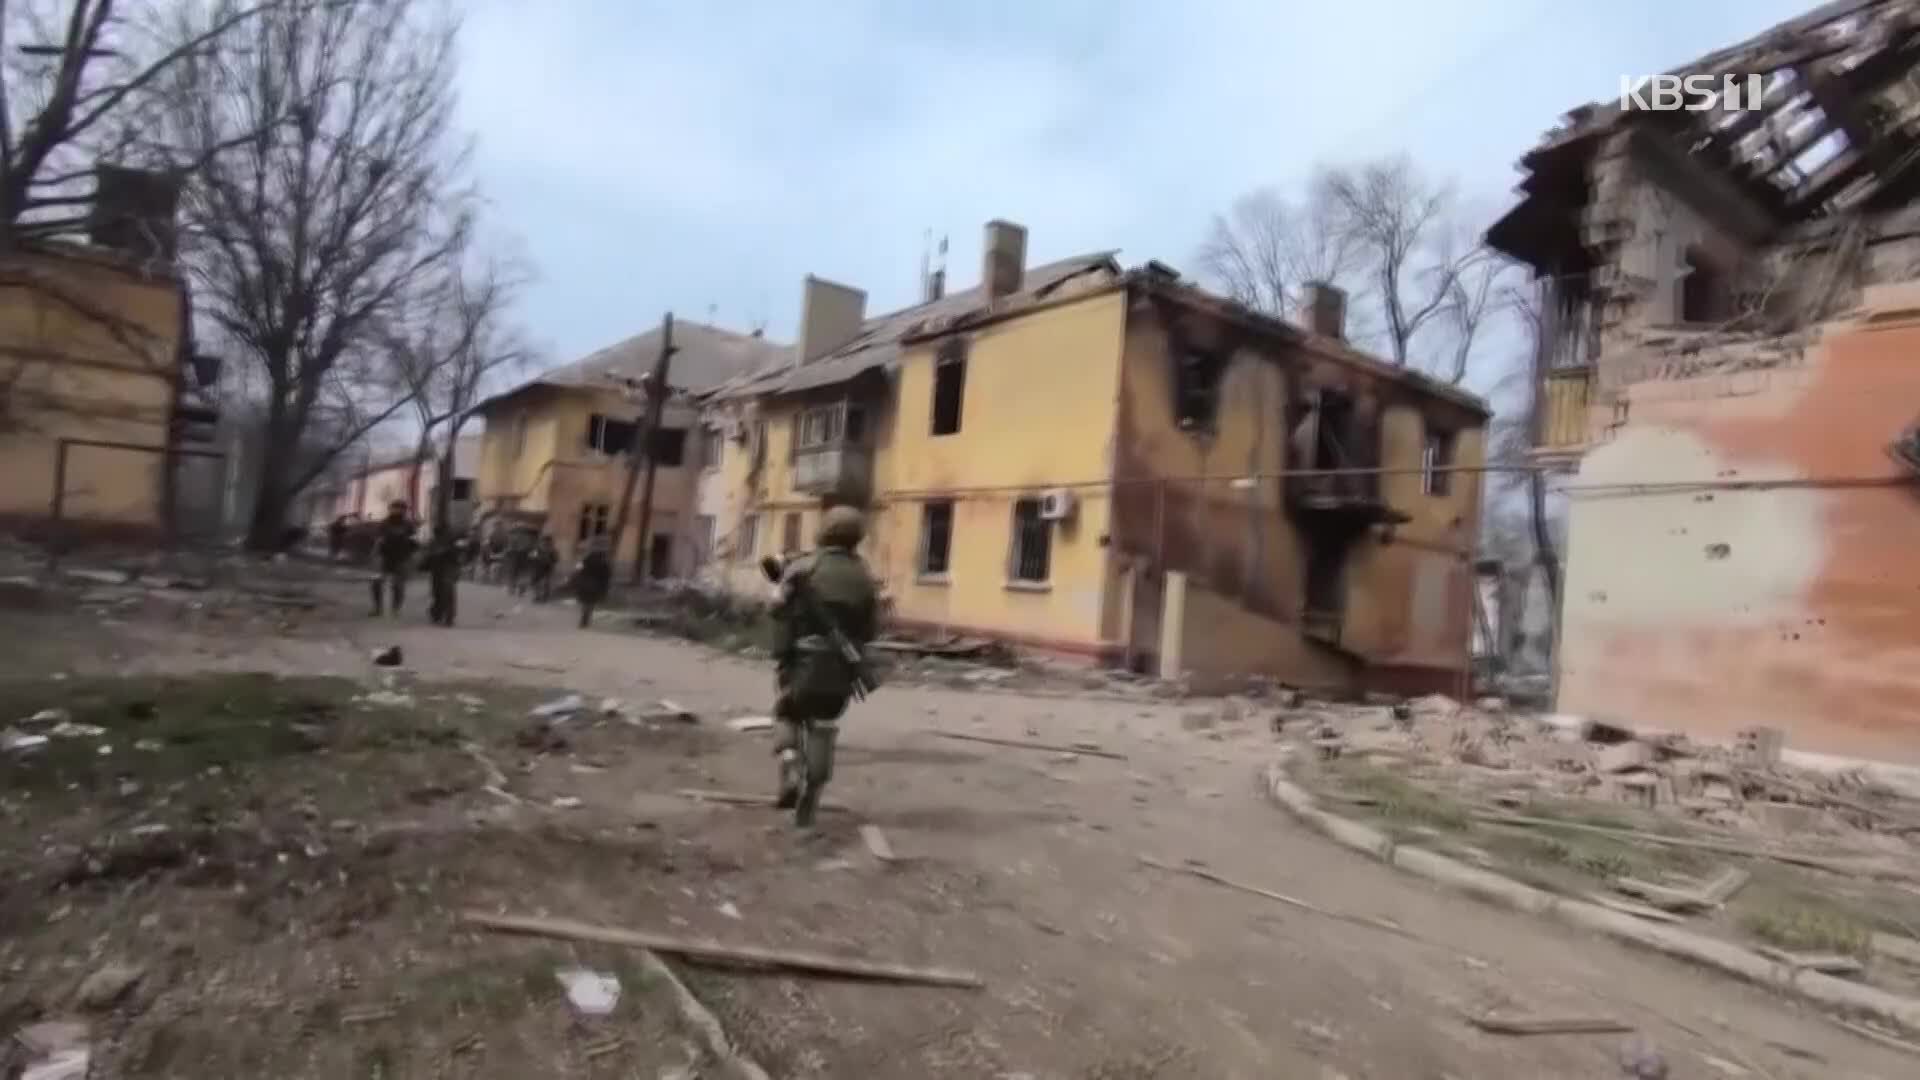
[701,1019]
[1901,1013]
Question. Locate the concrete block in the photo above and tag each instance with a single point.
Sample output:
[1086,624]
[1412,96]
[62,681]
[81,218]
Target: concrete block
[1625,757]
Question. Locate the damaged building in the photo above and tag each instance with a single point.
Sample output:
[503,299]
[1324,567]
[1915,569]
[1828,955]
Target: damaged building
[1729,369]
[1118,466]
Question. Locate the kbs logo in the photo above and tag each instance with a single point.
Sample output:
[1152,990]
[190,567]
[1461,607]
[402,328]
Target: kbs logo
[1691,93]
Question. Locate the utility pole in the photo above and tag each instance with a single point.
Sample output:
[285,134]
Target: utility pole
[656,391]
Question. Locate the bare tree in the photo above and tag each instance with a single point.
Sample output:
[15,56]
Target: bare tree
[455,339]
[1512,440]
[1421,285]
[306,237]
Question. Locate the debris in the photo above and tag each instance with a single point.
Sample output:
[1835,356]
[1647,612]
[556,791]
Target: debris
[1724,1067]
[1640,1059]
[371,1015]
[1627,907]
[1760,746]
[49,716]
[590,992]
[612,707]
[387,657]
[104,988]
[1548,1025]
[1878,1036]
[19,741]
[388,699]
[559,708]
[1291,901]
[1625,757]
[1824,963]
[728,909]
[567,802]
[740,798]
[1723,847]
[1664,897]
[751,723]
[60,1048]
[876,842]
[714,952]
[525,666]
[673,710]
[1725,884]
[1081,748]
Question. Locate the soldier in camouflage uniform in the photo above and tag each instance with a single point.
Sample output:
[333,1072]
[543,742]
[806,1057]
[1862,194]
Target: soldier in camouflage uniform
[815,680]
[395,550]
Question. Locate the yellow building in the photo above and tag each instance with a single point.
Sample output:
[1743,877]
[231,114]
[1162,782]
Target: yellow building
[93,368]
[1090,462]
[555,448]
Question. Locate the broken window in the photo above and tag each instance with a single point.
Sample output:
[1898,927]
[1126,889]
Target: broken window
[936,537]
[747,537]
[1326,591]
[828,425]
[594,519]
[610,436]
[660,556]
[462,488]
[1196,388]
[1032,555]
[759,444]
[712,446]
[790,534]
[519,435]
[949,388]
[670,447]
[705,528]
[1436,463]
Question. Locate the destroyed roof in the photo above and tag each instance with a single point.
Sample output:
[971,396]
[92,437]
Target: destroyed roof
[877,346]
[1834,132]
[704,357]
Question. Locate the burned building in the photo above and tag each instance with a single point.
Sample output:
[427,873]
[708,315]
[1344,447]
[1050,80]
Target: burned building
[1729,369]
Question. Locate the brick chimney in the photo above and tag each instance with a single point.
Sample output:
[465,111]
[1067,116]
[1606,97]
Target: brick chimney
[830,316]
[1003,259]
[1323,308]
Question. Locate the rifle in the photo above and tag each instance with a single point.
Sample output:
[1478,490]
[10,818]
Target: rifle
[863,681]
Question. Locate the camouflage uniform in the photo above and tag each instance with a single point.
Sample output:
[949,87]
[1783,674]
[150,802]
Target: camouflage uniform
[814,680]
[540,566]
[592,579]
[395,549]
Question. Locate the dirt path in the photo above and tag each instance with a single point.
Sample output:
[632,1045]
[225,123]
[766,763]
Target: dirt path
[1023,866]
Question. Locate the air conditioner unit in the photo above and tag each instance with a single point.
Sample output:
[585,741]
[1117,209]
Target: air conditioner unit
[1056,504]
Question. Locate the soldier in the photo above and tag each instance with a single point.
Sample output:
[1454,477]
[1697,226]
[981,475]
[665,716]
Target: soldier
[592,578]
[442,564]
[540,566]
[395,549]
[519,554]
[828,589]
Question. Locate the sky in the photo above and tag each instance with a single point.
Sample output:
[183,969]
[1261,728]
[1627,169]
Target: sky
[701,158]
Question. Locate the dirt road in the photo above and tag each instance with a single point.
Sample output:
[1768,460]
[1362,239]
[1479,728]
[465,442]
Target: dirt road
[1024,867]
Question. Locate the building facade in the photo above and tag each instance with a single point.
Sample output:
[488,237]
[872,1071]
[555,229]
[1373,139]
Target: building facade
[1726,376]
[1104,464]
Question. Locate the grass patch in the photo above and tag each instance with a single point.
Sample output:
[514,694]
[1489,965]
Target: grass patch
[1395,799]
[160,728]
[1808,928]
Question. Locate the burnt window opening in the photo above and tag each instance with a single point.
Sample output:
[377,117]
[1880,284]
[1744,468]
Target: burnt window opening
[1196,389]
[462,488]
[660,556]
[713,446]
[790,534]
[670,447]
[594,519]
[1031,558]
[949,389]
[1436,463]
[1706,295]
[747,538]
[1333,438]
[936,537]
[759,444]
[610,436]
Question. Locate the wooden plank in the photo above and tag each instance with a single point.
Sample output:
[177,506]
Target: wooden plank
[1023,744]
[1291,901]
[1548,1025]
[1724,885]
[714,952]
[1663,897]
[1824,963]
[742,798]
[1627,907]
[1832,866]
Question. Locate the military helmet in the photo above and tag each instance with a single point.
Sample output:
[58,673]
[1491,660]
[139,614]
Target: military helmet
[841,526]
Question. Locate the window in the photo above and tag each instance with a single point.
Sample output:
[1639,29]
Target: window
[519,435]
[759,444]
[594,520]
[1704,295]
[828,425]
[854,430]
[748,537]
[790,534]
[462,489]
[1196,389]
[713,444]
[949,388]
[610,436]
[936,538]
[1032,543]
[670,447]
[1436,457]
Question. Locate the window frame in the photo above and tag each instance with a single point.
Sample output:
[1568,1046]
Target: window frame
[923,558]
[951,358]
[1026,526]
[1438,450]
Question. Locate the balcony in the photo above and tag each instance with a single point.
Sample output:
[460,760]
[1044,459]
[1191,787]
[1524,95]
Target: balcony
[841,470]
[1350,500]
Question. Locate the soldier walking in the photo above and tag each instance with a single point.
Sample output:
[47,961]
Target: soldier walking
[592,578]
[442,564]
[394,548]
[825,591]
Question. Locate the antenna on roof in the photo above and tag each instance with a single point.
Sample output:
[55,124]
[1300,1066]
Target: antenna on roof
[926,263]
[713,314]
[936,278]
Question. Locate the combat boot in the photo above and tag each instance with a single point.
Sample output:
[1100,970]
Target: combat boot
[792,773]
